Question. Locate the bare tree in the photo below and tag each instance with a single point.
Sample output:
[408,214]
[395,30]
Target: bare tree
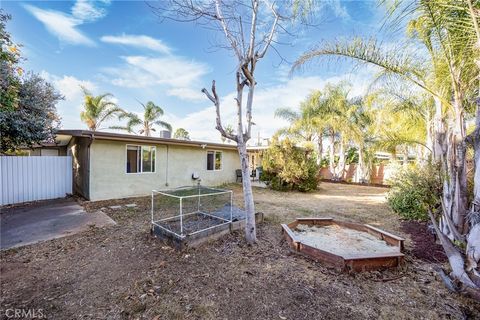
[249,29]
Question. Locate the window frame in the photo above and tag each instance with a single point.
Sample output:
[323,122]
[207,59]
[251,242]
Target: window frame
[140,160]
[214,155]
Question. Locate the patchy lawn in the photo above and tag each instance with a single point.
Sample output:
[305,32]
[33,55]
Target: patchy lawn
[122,272]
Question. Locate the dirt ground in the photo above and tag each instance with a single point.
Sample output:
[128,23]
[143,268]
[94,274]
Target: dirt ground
[121,272]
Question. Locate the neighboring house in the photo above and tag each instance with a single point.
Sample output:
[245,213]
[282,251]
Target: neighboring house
[47,149]
[255,156]
[111,165]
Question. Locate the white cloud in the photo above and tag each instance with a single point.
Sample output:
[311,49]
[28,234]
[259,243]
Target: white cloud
[89,11]
[179,75]
[70,108]
[65,26]
[201,124]
[187,94]
[140,41]
[61,25]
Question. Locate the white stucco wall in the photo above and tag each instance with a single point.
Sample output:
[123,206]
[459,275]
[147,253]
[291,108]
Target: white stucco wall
[109,180]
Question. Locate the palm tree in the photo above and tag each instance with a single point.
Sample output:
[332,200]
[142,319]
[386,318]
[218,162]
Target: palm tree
[449,32]
[151,118]
[330,113]
[343,119]
[98,109]
[403,123]
[305,126]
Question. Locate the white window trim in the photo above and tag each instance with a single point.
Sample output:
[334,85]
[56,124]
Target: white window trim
[141,162]
[221,162]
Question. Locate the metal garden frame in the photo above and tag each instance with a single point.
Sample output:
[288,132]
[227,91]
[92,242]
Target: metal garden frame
[181,214]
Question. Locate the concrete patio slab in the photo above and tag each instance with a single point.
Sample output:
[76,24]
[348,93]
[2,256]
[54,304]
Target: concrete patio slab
[24,225]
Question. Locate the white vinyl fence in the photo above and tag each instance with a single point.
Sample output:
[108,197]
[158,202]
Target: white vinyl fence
[24,179]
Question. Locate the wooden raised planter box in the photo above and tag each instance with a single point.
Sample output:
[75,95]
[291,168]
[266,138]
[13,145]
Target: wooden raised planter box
[195,240]
[347,262]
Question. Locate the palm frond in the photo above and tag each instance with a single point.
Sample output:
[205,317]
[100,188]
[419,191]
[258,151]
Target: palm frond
[164,124]
[286,114]
[394,61]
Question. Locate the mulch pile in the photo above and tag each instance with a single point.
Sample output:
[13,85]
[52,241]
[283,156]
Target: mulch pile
[424,246]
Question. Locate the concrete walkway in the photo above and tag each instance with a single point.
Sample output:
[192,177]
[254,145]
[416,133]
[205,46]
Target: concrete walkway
[46,220]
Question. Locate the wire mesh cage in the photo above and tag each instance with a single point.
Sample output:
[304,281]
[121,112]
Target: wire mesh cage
[187,211]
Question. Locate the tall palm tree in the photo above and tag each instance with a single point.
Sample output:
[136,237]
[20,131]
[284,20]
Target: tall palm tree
[340,116]
[331,114]
[151,118]
[305,126]
[449,32]
[98,109]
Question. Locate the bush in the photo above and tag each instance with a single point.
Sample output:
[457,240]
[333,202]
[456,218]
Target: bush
[414,190]
[287,167]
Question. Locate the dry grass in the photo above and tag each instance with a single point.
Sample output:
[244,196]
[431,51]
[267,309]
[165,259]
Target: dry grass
[122,273]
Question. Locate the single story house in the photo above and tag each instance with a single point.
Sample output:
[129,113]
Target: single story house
[110,165]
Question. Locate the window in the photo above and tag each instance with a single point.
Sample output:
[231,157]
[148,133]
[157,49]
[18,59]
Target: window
[214,160]
[140,159]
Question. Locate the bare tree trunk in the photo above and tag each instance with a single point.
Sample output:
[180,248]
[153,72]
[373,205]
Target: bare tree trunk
[250,229]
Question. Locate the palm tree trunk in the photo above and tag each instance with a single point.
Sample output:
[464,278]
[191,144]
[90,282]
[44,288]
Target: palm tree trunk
[361,166]
[473,239]
[430,137]
[331,157]
[461,199]
[320,150]
[341,160]
[455,181]
[439,134]
[405,157]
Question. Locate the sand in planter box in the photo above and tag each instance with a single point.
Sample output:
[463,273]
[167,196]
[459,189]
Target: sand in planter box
[341,241]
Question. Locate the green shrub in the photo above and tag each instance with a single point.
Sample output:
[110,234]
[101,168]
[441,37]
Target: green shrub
[414,190]
[287,167]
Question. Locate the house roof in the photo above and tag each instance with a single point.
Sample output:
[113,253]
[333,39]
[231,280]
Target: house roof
[99,135]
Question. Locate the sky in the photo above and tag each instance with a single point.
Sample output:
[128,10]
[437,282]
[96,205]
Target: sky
[123,48]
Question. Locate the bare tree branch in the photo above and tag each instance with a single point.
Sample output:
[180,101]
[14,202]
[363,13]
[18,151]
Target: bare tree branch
[216,101]
[228,34]
[253,30]
[270,36]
